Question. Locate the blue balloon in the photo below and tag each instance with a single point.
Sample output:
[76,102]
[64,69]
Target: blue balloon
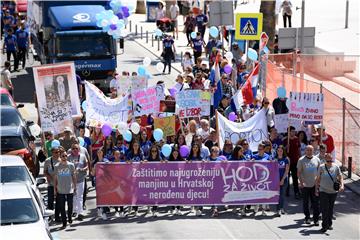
[127,136]
[166,150]
[281,92]
[214,32]
[55,144]
[84,105]
[266,50]
[158,134]
[141,70]
[81,141]
[252,54]
[158,32]
[193,35]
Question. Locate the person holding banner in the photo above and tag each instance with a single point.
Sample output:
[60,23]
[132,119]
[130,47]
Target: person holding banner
[227,149]
[195,154]
[246,148]
[284,167]
[204,151]
[134,154]
[145,144]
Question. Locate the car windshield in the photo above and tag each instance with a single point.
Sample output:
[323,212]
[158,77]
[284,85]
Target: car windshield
[18,211]
[5,100]
[10,117]
[11,143]
[15,174]
[84,46]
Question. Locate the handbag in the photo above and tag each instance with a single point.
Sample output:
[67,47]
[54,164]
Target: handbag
[336,185]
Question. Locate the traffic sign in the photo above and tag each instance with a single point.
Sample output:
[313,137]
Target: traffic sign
[248,26]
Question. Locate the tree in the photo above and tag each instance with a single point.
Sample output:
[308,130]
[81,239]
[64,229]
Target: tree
[267,8]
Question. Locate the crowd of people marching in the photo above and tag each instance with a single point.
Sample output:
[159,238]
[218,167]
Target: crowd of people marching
[307,156]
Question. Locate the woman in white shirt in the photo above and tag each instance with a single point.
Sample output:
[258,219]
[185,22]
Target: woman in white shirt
[187,61]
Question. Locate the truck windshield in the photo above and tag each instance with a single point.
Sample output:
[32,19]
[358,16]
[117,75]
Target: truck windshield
[84,46]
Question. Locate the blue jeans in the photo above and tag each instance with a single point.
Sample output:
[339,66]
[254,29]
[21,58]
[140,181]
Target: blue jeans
[282,195]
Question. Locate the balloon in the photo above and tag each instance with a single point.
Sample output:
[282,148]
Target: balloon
[166,150]
[266,50]
[127,136]
[55,144]
[84,105]
[35,130]
[146,61]
[207,84]
[158,33]
[281,92]
[135,127]
[120,15]
[122,127]
[214,32]
[232,116]
[252,54]
[229,56]
[172,92]
[141,70]
[158,134]
[227,69]
[159,66]
[87,132]
[222,158]
[106,130]
[184,151]
[81,141]
[193,35]
[104,23]
[113,26]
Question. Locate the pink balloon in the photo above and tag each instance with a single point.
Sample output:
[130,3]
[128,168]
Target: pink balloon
[232,116]
[227,69]
[184,151]
[222,158]
[106,130]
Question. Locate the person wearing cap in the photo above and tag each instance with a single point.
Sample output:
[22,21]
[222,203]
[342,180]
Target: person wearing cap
[237,53]
[327,139]
[49,167]
[66,140]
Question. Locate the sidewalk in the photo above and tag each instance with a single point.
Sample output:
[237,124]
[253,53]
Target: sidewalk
[352,183]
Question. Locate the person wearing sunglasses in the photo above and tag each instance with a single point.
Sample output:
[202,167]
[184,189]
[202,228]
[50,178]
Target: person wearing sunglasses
[246,148]
[327,175]
[64,186]
[270,112]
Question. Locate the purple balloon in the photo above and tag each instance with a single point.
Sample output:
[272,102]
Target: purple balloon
[222,158]
[106,130]
[232,116]
[228,69]
[113,27]
[120,15]
[172,92]
[184,151]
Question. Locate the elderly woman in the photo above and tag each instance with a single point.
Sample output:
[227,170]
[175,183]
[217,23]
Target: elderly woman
[329,182]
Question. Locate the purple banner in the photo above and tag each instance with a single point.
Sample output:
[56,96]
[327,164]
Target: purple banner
[181,183]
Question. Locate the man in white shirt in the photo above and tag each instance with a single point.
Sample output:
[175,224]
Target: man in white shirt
[114,83]
[204,131]
[180,85]
[6,78]
[174,13]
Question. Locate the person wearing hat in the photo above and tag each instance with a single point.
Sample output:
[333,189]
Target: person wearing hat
[49,167]
[326,139]
[66,140]
[237,53]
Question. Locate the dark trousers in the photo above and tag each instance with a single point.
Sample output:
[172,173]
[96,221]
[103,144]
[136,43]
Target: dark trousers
[51,198]
[16,61]
[85,192]
[61,199]
[285,16]
[202,31]
[22,56]
[309,194]
[188,36]
[282,195]
[293,172]
[327,201]
[167,62]
[197,55]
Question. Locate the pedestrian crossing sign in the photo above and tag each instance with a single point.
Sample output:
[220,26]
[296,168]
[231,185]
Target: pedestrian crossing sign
[248,26]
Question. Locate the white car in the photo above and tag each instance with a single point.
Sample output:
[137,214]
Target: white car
[22,216]
[13,169]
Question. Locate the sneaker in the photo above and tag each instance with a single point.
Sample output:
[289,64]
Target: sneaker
[122,215]
[263,213]
[234,210]
[330,228]
[198,213]
[242,212]
[316,223]
[84,207]
[333,217]
[215,213]
[226,207]
[307,221]
[135,213]
[130,210]
[171,212]
[154,214]
[282,211]
[323,230]
[70,221]
[277,214]
[74,215]
[64,226]
[177,212]
[256,208]
[80,217]
[104,217]
[193,209]
[267,208]
[117,214]
[99,212]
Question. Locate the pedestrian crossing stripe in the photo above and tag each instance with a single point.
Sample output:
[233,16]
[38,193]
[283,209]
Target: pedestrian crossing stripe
[248,29]
[248,26]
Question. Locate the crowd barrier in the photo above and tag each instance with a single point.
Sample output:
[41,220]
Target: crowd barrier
[341,118]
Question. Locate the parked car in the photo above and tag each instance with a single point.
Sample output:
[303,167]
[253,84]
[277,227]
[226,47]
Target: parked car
[7,99]
[15,141]
[10,116]
[22,215]
[14,169]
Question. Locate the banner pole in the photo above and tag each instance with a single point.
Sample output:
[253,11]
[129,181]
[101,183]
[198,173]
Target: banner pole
[288,137]
[217,127]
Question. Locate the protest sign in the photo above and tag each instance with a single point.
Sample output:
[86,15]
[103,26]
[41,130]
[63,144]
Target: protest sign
[282,122]
[147,100]
[167,124]
[57,96]
[123,85]
[193,103]
[307,107]
[179,183]
[101,109]
[139,82]
[167,106]
[254,130]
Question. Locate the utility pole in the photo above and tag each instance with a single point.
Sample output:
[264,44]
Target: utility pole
[302,40]
[347,14]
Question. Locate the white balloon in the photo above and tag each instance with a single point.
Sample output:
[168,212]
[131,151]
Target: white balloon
[146,61]
[135,127]
[35,130]
[243,58]
[207,84]
[87,132]
[159,66]
[104,23]
[229,56]
[122,127]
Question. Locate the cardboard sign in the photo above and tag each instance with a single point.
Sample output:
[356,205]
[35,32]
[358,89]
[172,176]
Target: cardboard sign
[193,103]
[307,107]
[282,122]
[167,124]
[147,101]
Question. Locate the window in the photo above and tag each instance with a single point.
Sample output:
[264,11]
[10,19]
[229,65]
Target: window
[11,143]
[10,117]
[15,174]
[18,211]
[5,100]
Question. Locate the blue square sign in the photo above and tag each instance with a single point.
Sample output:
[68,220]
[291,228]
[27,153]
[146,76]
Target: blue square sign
[249,26]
